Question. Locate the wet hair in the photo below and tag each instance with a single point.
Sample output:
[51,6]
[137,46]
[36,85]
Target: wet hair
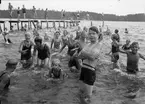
[128,40]
[134,44]
[94,28]
[116,31]
[38,39]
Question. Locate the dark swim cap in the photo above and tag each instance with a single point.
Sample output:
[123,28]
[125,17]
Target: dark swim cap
[38,39]
[12,62]
[94,28]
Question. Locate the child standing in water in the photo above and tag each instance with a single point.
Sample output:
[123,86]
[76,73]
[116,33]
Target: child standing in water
[90,54]
[43,52]
[25,49]
[56,42]
[133,57]
[115,51]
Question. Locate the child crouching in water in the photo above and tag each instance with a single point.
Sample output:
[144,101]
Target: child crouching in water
[56,71]
[133,57]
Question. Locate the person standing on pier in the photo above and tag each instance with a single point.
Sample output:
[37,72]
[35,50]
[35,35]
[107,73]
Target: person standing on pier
[18,12]
[46,14]
[34,12]
[10,7]
[24,11]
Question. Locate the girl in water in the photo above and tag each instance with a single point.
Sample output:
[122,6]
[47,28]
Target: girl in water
[89,54]
[26,47]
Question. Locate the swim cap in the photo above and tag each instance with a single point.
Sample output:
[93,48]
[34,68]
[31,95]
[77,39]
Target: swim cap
[12,62]
[38,39]
[94,28]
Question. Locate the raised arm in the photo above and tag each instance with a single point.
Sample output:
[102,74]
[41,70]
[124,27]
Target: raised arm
[52,43]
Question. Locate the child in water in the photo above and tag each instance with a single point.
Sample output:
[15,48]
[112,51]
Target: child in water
[43,52]
[115,51]
[127,45]
[133,57]
[6,36]
[56,42]
[25,49]
[5,75]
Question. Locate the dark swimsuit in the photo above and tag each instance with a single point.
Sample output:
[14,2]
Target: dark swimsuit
[43,53]
[124,47]
[27,55]
[115,49]
[24,10]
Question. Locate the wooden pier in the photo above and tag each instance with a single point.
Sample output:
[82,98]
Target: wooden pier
[33,23]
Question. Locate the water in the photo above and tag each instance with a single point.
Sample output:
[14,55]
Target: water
[28,87]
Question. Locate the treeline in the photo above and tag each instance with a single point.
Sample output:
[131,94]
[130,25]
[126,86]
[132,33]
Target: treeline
[52,14]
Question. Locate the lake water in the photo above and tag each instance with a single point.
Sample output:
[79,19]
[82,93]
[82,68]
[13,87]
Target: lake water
[109,88]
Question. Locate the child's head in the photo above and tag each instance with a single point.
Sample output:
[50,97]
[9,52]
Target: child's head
[11,65]
[127,41]
[114,37]
[56,62]
[116,31]
[27,36]
[45,36]
[57,34]
[134,47]
[38,41]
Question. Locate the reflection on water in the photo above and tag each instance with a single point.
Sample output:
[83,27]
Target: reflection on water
[28,87]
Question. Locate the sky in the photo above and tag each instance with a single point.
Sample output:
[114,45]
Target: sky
[118,7]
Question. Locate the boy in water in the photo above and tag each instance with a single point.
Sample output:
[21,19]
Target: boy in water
[5,75]
[25,49]
[133,57]
[127,45]
[43,52]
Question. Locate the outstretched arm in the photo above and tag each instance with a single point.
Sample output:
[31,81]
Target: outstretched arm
[141,56]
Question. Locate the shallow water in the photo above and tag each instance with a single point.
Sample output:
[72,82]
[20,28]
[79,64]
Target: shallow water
[29,87]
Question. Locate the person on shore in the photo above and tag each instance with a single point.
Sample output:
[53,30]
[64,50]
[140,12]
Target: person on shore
[10,8]
[18,13]
[24,11]
[127,45]
[5,74]
[34,12]
[43,52]
[56,42]
[133,57]
[26,49]
[90,54]
[6,36]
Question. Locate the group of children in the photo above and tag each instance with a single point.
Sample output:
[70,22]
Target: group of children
[83,52]
[131,50]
